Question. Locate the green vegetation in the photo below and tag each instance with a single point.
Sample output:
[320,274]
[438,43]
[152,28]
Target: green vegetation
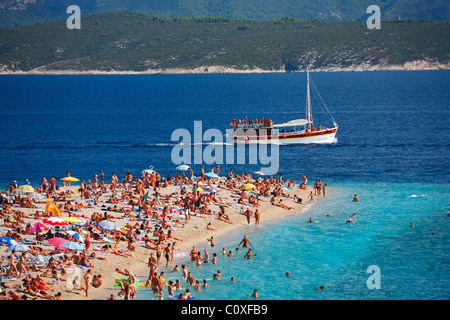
[135,42]
[16,13]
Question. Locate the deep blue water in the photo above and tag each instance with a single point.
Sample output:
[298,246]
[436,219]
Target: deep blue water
[392,142]
[393,125]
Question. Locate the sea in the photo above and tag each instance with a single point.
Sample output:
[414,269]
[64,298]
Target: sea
[392,150]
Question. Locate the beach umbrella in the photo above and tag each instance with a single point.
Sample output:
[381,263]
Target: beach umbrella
[183,167]
[38,227]
[199,189]
[56,241]
[72,245]
[71,219]
[81,223]
[107,225]
[26,188]
[70,179]
[55,221]
[8,241]
[148,171]
[18,247]
[211,175]
[259,173]
[75,235]
[249,186]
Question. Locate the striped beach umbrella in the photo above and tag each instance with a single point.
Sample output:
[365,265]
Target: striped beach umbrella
[72,245]
[18,248]
[107,225]
[55,221]
[211,175]
[82,222]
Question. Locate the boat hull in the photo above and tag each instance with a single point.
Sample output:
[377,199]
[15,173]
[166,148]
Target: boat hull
[320,137]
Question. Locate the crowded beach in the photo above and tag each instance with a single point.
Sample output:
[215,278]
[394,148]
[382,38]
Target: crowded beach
[112,238]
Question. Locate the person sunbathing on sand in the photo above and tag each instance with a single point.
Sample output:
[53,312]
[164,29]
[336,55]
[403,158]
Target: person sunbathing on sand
[282,205]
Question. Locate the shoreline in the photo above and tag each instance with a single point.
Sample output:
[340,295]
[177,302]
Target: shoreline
[418,65]
[200,241]
[193,233]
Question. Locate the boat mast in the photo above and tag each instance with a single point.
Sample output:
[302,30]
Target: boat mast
[308,103]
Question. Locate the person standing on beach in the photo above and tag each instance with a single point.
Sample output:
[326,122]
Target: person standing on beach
[68,175]
[256,215]
[172,253]
[53,184]
[324,189]
[87,281]
[102,178]
[248,215]
[167,254]
[311,197]
[114,181]
[245,242]
[211,240]
[206,257]
[152,264]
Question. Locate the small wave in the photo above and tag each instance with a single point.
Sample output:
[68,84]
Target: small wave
[307,207]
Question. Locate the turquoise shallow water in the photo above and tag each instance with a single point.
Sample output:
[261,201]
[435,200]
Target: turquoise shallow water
[413,263]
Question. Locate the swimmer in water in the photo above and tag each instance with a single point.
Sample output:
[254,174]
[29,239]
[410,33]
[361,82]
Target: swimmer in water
[248,255]
[350,221]
[320,288]
[287,274]
[411,225]
[311,220]
[355,198]
[254,295]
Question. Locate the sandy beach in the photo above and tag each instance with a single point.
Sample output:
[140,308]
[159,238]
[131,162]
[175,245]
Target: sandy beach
[193,232]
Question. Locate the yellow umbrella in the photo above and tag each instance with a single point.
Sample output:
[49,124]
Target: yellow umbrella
[26,188]
[249,186]
[72,219]
[199,189]
[70,179]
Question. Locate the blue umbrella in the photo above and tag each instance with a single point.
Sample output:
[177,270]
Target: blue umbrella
[75,235]
[211,175]
[107,225]
[72,245]
[18,247]
[8,241]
